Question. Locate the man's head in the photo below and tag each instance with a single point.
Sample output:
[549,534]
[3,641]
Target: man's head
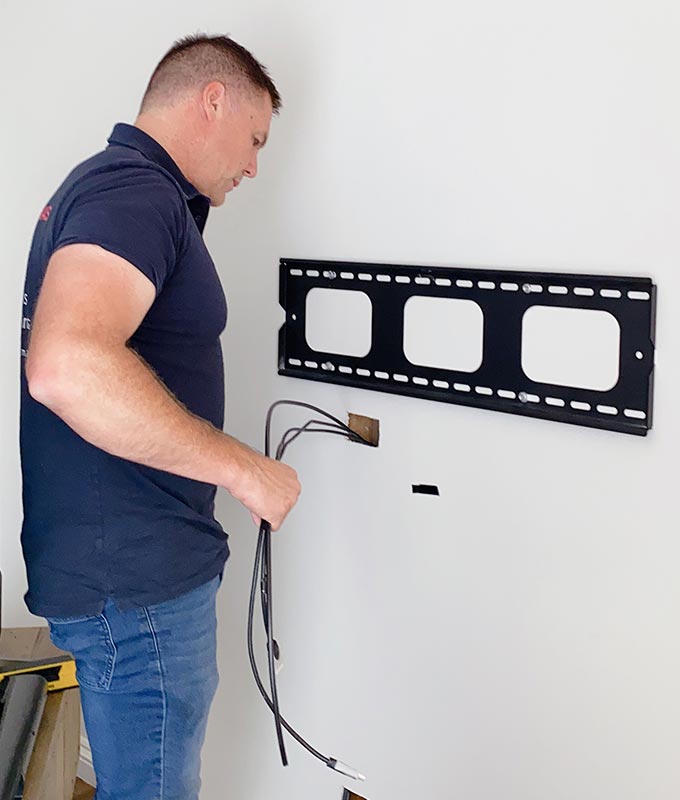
[209,103]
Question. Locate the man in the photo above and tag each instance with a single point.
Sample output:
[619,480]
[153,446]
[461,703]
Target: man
[122,411]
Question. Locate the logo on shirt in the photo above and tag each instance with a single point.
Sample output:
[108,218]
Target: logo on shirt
[46,213]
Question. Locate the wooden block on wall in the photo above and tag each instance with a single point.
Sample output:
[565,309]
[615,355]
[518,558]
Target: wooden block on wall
[51,773]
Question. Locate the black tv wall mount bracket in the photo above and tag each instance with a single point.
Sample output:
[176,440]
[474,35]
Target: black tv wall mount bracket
[504,296]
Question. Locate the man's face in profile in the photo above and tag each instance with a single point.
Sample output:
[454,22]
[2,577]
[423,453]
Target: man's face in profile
[239,134]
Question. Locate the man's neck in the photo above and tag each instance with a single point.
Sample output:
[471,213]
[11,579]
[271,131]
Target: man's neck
[174,136]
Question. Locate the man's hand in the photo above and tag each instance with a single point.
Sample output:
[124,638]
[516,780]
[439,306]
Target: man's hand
[267,488]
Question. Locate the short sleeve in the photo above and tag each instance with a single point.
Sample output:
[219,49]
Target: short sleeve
[135,212]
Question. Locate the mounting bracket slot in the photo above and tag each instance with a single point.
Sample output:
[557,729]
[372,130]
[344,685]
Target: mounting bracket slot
[504,296]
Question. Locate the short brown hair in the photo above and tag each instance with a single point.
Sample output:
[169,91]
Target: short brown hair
[199,59]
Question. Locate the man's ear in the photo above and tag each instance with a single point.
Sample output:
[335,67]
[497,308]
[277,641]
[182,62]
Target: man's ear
[214,99]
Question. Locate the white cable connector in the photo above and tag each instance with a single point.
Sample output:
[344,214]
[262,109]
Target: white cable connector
[345,769]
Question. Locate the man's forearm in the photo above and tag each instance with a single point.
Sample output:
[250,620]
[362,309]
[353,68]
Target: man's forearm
[111,398]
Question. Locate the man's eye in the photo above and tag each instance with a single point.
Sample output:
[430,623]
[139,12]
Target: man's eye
[256,142]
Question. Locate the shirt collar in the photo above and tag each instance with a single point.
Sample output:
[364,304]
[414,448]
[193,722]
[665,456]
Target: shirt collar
[137,139]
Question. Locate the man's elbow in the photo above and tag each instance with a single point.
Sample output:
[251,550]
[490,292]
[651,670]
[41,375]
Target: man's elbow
[47,379]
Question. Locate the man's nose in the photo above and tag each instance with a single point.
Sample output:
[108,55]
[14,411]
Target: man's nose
[251,169]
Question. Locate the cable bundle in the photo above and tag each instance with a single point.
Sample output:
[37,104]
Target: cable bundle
[263,570]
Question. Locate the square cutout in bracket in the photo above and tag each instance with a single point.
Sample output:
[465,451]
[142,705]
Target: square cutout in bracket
[444,333]
[327,317]
[572,347]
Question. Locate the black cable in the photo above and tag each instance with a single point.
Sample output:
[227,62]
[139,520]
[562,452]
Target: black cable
[285,442]
[263,566]
[251,653]
[265,583]
[331,427]
[310,408]
[270,641]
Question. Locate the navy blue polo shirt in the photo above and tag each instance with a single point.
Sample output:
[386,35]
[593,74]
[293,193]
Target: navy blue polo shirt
[95,525]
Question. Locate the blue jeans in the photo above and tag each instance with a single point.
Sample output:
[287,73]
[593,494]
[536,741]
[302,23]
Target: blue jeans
[147,678]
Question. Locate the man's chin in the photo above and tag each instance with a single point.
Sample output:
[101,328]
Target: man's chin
[215,202]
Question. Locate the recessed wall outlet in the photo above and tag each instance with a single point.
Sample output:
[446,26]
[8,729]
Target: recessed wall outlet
[349,795]
[367,427]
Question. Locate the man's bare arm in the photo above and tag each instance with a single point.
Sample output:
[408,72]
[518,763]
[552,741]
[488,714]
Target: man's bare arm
[80,367]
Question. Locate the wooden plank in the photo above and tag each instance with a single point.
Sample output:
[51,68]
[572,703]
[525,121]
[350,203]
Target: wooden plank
[51,773]
[83,791]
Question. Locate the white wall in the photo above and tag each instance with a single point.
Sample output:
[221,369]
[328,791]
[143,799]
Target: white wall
[516,637]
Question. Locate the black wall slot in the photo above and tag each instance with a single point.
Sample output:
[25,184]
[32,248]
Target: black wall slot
[425,488]
[504,296]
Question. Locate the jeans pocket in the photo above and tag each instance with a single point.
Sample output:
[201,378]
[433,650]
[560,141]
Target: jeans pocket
[89,641]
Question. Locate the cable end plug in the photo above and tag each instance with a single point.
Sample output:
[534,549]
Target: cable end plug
[345,769]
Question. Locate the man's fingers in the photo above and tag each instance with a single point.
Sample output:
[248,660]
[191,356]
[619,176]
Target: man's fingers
[270,491]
